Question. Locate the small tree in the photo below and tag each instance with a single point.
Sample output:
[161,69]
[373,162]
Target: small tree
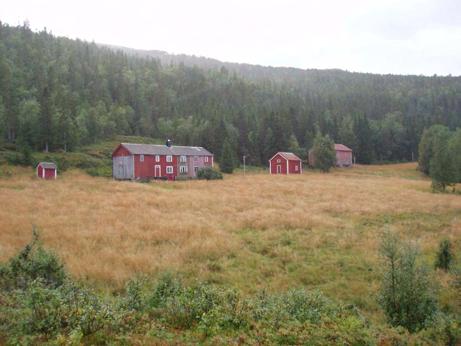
[227,158]
[324,152]
[444,255]
[407,295]
[442,167]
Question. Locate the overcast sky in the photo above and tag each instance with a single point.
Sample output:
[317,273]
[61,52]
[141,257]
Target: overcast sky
[382,36]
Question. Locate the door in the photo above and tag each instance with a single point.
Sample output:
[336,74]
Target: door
[157,171]
[279,169]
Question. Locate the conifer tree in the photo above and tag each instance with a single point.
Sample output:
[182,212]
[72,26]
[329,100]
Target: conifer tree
[442,169]
[227,162]
[324,152]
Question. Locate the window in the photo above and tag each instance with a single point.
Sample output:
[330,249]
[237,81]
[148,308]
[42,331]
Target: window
[169,169]
[182,158]
[169,158]
[182,169]
[296,168]
[206,158]
[278,160]
[141,158]
[157,158]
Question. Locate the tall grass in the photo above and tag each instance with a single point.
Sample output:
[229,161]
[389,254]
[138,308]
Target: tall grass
[253,231]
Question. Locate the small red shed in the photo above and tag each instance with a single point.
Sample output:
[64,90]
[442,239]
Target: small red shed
[285,163]
[343,155]
[47,170]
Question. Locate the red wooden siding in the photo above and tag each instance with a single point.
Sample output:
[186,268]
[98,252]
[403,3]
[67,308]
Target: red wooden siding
[279,164]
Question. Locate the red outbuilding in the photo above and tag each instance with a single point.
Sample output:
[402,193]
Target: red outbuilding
[47,170]
[285,163]
[343,155]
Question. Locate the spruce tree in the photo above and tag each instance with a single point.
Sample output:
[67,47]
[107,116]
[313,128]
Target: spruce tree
[442,168]
[407,294]
[227,158]
[426,147]
[444,255]
[324,152]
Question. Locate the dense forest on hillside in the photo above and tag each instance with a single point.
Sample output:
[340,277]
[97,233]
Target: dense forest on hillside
[59,94]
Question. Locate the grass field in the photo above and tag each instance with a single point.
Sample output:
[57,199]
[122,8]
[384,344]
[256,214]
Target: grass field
[249,232]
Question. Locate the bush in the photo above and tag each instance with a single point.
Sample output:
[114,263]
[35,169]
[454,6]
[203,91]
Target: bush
[43,310]
[101,171]
[209,174]
[32,263]
[444,255]
[407,294]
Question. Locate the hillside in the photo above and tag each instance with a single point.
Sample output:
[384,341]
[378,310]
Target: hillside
[61,94]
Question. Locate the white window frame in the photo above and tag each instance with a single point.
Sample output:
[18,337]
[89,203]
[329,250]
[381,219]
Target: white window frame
[183,158]
[157,158]
[296,168]
[278,160]
[169,169]
[141,158]
[183,169]
[169,158]
[206,159]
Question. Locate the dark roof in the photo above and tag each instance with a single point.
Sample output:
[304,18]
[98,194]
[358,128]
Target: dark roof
[288,156]
[342,147]
[156,149]
[47,165]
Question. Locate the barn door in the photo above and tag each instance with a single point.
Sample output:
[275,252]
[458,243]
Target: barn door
[279,169]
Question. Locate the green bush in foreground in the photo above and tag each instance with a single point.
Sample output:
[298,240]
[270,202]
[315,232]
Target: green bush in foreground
[407,293]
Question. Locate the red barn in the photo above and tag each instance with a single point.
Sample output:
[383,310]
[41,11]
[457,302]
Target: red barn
[285,163]
[149,161]
[343,156]
[47,170]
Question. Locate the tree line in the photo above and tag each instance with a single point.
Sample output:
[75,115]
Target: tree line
[59,94]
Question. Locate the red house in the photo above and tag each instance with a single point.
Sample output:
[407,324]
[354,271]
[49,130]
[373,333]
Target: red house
[47,170]
[285,163]
[149,161]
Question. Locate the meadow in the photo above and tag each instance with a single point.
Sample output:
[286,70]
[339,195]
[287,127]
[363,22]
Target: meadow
[249,232]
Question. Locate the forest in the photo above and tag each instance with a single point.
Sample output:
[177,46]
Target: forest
[58,94]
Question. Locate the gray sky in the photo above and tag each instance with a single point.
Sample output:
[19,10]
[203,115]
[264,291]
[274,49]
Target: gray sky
[382,36]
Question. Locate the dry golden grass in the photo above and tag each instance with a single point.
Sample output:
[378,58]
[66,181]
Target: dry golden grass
[316,230]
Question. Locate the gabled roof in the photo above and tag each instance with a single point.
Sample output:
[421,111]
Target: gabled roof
[287,156]
[342,147]
[156,149]
[47,165]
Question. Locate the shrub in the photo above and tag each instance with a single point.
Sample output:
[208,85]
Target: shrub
[32,263]
[209,174]
[43,310]
[101,171]
[444,255]
[407,295]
